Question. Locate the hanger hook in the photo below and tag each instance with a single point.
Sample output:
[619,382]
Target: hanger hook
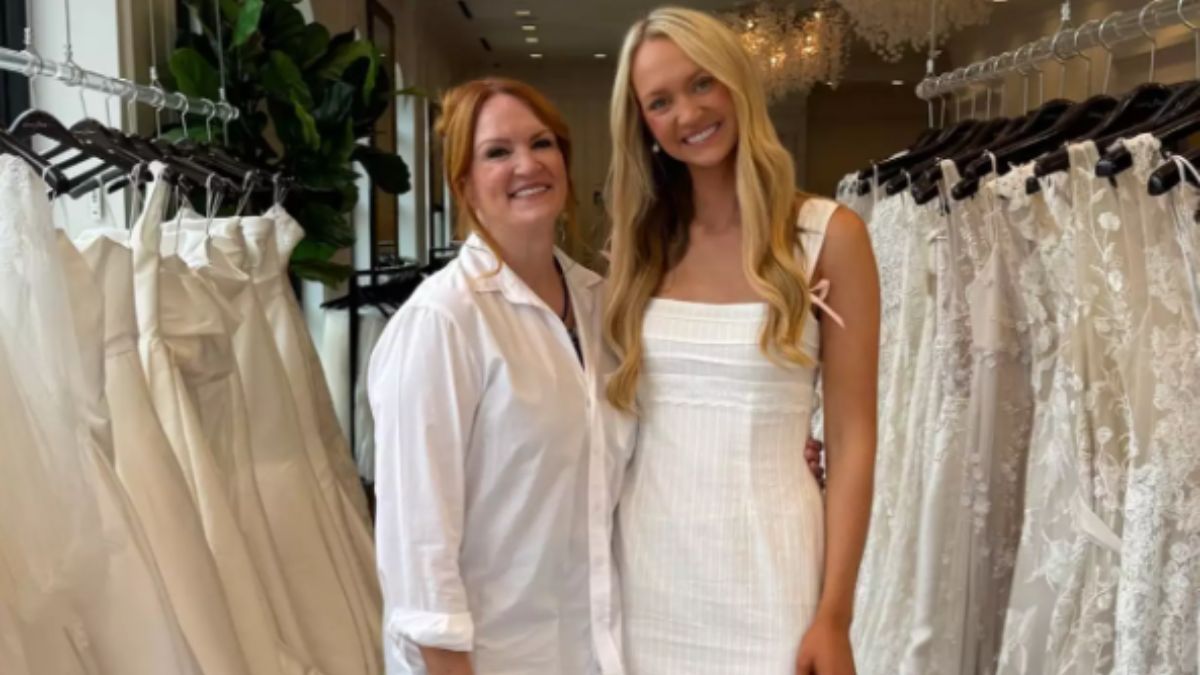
[187,108]
[212,112]
[1107,48]
[1062,62]
[1079,53]
[1149,36]
[1195,34]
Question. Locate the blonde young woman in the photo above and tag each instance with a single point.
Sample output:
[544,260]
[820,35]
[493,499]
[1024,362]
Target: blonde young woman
[727,289]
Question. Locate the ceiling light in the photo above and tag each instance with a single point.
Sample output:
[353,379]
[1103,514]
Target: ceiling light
[600,55]
[535,55]
[898,83]
[523,13]
[532,40]
[529,26]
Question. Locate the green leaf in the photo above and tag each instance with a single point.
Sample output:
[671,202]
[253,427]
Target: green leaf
[281,22]
[323,224]
[388,172]
[341,55]
[282,79]
[229,8]
[306,46]
[323,177]
[329,273]
[296,128]
[337,145]
[247,21]
[195,132]
[308,250]
[336,103]
[308,126]
[193,75]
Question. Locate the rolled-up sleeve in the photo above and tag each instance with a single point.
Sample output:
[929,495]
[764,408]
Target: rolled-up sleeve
[424,388]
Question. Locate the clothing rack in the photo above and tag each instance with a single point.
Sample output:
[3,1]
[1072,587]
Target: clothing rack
[32,65]
[354,284]
[1114,29]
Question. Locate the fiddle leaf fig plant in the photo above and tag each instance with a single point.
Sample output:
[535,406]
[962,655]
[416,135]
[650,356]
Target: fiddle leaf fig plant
[306,100]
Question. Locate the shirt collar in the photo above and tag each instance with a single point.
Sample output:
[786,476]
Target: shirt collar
[479,262]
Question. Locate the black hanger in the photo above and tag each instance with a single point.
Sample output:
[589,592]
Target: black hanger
[983,134]
[54,177]
[929,145]
[925,188]
[1141,106]
[925,138]
[1168,175]
[1078,120]
[1171,126]
[88,145]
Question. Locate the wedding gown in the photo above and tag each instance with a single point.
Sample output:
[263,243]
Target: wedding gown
[130,625]
[148,469]
[720,525]
[1081,638]
[304,365]
[339,616]
[187,357]
[950,507]
[1048,282]
[1158,604]
[49,548]
[329,456]
[883,596]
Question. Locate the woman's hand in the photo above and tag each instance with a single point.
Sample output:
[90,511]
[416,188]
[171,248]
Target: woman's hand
[812,455]
[825,649]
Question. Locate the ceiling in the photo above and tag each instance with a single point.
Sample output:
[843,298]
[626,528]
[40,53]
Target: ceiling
[575,30]
[566,29]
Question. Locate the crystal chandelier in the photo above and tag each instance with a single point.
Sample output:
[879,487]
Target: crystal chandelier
[793,48]
[889,26]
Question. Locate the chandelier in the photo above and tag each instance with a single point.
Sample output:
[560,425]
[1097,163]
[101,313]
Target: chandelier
[889,26]
[793,48]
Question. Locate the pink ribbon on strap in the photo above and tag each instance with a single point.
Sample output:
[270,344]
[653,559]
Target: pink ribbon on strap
[817,294]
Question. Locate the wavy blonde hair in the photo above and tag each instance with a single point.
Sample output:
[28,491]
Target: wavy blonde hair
[650,200]
[456,127]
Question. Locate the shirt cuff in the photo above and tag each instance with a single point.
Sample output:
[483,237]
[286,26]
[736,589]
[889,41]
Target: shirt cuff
[454,632]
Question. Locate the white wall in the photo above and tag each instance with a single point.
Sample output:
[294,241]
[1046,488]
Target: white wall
[97,45]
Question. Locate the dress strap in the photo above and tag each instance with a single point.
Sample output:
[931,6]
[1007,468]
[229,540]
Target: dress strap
[812,223]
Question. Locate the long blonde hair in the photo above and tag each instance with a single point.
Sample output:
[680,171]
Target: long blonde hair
[650,200]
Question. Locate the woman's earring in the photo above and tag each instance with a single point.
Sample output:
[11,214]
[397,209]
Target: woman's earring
[655,148]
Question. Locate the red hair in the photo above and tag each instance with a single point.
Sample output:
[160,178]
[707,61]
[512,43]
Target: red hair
[456,127]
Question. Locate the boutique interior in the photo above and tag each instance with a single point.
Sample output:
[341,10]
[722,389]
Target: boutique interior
[1026,179]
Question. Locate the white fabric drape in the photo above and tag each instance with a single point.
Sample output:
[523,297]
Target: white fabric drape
[167,507]
[1038,475]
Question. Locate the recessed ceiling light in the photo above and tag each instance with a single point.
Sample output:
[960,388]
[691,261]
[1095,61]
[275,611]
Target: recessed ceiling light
[600,55]
[535,55]
[529,26]
[532,39]
[898,83]
[523,12]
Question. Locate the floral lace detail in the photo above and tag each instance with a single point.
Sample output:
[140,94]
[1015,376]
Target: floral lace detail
[1157,602]
[884,589]
[1047,283]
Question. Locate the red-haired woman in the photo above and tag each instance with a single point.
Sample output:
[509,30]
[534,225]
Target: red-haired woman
[488,415]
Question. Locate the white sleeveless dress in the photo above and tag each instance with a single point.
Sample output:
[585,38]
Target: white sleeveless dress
[720,524]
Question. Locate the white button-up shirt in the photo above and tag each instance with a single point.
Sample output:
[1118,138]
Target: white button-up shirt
[494,475]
